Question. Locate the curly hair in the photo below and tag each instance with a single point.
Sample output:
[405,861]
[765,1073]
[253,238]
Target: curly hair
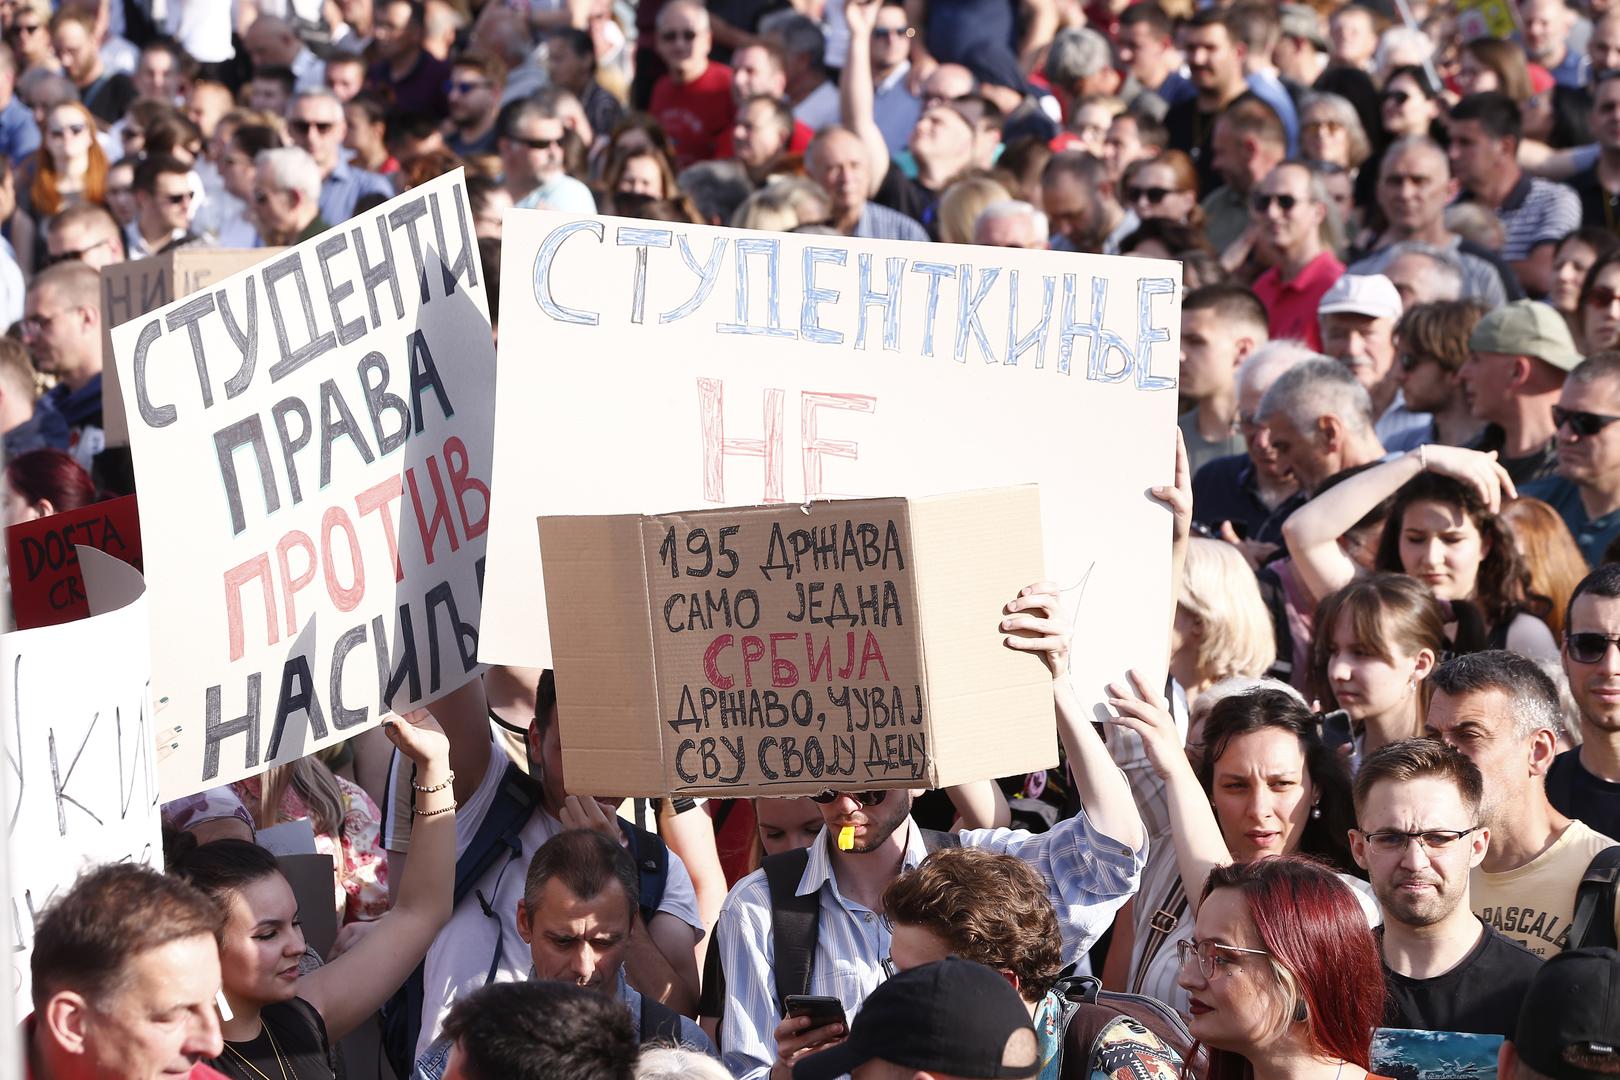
[1502,588]
[991,909]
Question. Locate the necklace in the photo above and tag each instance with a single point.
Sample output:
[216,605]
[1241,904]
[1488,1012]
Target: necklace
[281,1063]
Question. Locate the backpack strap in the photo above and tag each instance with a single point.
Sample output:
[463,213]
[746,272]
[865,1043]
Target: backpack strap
[659,1023]
[651,857]
[1592,924]
[795,922]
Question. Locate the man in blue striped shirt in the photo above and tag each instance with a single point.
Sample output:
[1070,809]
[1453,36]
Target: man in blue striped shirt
[1091,864]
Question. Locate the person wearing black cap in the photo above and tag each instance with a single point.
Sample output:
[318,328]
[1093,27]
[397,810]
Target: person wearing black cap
[1569,1025]
[951,1018]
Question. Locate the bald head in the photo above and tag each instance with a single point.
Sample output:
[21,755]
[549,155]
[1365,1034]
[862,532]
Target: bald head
[271,42]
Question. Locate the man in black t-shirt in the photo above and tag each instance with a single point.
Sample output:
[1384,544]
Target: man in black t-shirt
[1418,836]
[1584,782]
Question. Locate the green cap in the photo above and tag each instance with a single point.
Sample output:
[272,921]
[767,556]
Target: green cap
[1526,328]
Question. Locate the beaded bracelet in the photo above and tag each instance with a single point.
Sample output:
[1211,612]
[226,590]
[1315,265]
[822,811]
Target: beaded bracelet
[434,813]
[446,782]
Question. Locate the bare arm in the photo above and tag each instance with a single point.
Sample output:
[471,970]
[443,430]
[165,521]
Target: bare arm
[855,92]
[691,836]
[353,986]
[980,805]
[1040,24]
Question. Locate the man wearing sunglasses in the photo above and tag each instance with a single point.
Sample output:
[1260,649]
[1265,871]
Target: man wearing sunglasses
[1418,837]
[1090,863]
[693,98]
[1586,491]
[316,123]
[529,140]
[1502,711]
[162,207]
[1585,782]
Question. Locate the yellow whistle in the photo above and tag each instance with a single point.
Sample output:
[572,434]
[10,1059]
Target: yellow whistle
[846,838]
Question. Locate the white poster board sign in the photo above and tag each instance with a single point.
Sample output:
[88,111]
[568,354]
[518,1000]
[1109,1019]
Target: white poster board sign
[650,367]
[311,440]
[80,775]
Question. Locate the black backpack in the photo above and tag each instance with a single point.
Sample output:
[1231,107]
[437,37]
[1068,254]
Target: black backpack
[1592,925]
[514,804]
[1089,1011]
[795,928]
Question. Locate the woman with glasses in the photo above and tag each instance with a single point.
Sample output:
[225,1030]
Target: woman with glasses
[1265,785]
[1573,259]
[1443,530]
[1163,186]
[1600,305]
[1409,105]
[69,170]
[1283,978]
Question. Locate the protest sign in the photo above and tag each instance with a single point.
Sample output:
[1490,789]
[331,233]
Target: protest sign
[46,586]
[311,440]
[134,288]
[775,650]
[80,779]
[652,367]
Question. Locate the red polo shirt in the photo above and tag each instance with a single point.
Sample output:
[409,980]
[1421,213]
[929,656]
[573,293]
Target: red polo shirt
[1291,305]
[695,114]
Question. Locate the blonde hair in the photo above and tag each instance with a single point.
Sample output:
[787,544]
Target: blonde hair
[1220,591]
[314,783]
[962,204]
[782,206]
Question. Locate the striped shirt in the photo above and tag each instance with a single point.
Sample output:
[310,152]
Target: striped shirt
[879,222]
[1535,212]
[1089,876]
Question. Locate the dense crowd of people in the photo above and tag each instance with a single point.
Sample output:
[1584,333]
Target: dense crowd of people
[1376,784]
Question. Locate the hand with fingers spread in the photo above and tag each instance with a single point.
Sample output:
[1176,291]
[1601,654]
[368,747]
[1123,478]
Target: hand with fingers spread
[1143,710]
[1037,610]
[1480,471]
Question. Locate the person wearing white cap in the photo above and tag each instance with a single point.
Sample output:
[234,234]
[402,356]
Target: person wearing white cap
[1518,358]
[1292,212]
[1358,316]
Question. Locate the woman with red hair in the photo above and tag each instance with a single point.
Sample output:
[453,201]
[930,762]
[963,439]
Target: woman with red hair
[41,483]
[1283,974]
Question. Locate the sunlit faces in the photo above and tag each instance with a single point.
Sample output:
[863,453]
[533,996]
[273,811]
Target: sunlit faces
[1603,48]
[941,134]
[1418,885]
[892,35]
[838,163]
[1367,684]
[1362,343]
[53,331]
[533,154]
[1414,187]
[1123,146]
[1591,459]
[1480,725]
[170,200]
[1210,351]
[472,96]
[579,940]
[1425,383]
[262,943]
[1322,137]
[1442,547]
[161,1021]
[1089,124]
[76,50]
[1262,794]
[1211,57]
[913,946]
[1473,77]
[1486,380]
[1287,212]
[68,134]
[1596,685]
[786,824]
[873,824]
[1300,453]
[683,40]
[1155,192]
[1605,115]
[1142,50]
[641,176]
[757,137]
[344,78]
[1572,259]
[1240,1004]
[1600,322]
[317,124]
[1475,155]
[1405,108]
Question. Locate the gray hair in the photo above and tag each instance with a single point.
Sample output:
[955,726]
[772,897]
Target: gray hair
[1447,268]
[41,89]
[799,35]
[1076,53]
[1315,388]
[1532,696]
[1400,38]
[678,1063]
[1345,115]
[1272,359]
[292,169]
[1013,208]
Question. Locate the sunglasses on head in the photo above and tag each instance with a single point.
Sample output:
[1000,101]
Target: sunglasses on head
[1589,647]
[302,127]
[1581,423]
[865,798]
[1154,195]
[1262,202]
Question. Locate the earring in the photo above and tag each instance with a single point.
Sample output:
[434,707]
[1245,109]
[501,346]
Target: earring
[1316,812]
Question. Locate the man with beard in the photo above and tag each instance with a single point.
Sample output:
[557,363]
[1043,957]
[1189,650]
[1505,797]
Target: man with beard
[1418,836]
[1584,782]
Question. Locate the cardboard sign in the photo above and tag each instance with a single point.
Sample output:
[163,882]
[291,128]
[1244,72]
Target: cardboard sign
[80,783]
[311,439]
[651,367]
[46,586]
[776,650]
[134,288]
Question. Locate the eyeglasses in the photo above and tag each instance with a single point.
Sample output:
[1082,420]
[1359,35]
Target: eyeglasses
[1390,841]
[677,35]
[899,31]
[1584,424]
[537,144]
[865,798]
[1589,647]
[302,127]
[465,87]
[1396,97]
[1262,202]
[1321,125]
[1154,195]
[26,28]
[69,256]
[1602,299]
[1212,955]
[177,198]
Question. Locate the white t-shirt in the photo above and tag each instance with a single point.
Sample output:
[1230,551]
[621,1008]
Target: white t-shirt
[459,960]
